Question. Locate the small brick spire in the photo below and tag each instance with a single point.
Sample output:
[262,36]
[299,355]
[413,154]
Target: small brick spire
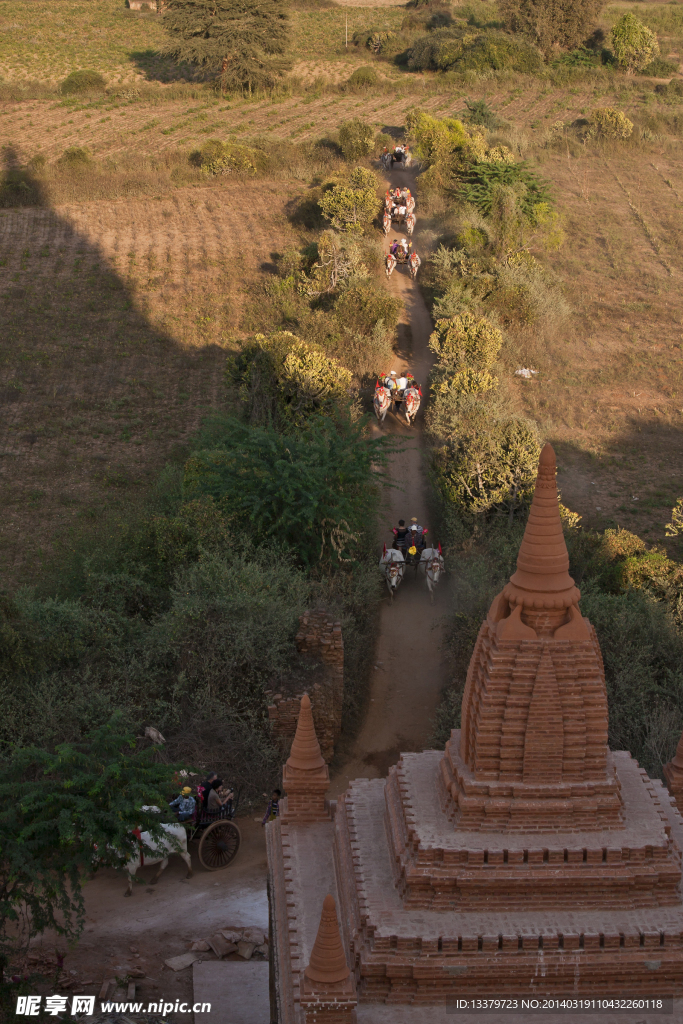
[328,960]
[542,579]
[305,777]
[305,753]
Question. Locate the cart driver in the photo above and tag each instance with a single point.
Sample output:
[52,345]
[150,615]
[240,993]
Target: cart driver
[401,535]
[418,534]
[184,805]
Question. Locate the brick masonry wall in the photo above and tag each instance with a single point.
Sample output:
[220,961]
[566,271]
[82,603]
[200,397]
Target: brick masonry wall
[320,638]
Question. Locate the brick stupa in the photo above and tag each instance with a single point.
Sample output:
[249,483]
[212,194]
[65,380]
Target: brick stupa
[527,859]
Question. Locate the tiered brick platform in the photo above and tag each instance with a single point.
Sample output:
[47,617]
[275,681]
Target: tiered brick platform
[526,859]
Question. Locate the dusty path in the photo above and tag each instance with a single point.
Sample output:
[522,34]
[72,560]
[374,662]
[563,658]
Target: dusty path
[409,669]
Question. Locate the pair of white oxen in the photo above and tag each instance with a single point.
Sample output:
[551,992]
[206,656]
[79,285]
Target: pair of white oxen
[414,262]
[399,157]
[383,398]
[393,566]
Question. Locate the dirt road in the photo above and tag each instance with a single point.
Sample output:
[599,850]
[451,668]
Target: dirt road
[409,669]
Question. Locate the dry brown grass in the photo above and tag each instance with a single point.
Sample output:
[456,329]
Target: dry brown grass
[610,391]
[115,319]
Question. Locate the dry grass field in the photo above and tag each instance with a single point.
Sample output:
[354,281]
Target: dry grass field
[116,314]
[115,319]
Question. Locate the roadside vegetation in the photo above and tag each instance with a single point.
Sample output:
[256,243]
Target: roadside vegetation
[487,290]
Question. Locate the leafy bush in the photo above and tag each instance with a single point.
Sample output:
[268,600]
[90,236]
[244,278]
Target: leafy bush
[79,82]
[312,490]
[350,207]
[356,138]
[609,123]
[660,68]
[75,156]
[373,38]
[362,304]
[362,78]
[634,44]
[466,340]
[435,137]
[217,157]
[486,465]
[582,57]
[551,23]
[496,52]
[282,379]
[483,181]
[478,112]
[448,50]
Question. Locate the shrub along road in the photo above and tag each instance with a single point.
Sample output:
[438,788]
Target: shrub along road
[409,669]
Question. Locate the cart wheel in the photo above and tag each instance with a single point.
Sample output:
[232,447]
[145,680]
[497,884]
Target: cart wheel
[219,845]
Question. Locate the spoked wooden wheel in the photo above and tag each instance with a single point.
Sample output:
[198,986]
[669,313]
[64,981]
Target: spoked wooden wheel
[219,845]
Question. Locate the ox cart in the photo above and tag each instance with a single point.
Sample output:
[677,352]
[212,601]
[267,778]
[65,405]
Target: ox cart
[219,836]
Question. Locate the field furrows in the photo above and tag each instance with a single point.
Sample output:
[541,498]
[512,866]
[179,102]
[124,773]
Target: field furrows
[49,128]
[115,319]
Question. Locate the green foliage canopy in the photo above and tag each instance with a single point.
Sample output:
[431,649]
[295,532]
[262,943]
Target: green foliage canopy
[356,137]
[482,181]
[300,488]
[635,45]
[240,42]
[352,206]
[284,380]
[59,811]
[552,24]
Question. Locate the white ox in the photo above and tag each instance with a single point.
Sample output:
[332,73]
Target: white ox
[381,403]
[411,404]
[386,222]
[410,224]
[392,564]
[162,849]
[390,264]
[414,262]
[432,565]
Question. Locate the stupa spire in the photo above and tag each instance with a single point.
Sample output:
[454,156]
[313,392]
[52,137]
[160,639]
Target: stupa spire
[328,960]
[542,579]
[305,776]
[305,753]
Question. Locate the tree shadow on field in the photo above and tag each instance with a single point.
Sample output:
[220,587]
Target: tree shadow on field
[156,67]
[94,396]
[632,483]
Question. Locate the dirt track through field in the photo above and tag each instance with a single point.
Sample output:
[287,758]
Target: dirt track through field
[409,669]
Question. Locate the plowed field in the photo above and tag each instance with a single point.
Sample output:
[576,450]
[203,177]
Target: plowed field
[115,320]
[49,128]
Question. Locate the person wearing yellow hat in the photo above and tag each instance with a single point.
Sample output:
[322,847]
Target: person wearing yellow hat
[418,534]
[184,805]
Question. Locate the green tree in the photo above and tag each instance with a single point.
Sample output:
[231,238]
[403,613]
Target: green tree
[241,42]
[283,379]
[552,24]
[356,137]
[351,206]
[311,489]
[59,810]
[487,465]
[635,45]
